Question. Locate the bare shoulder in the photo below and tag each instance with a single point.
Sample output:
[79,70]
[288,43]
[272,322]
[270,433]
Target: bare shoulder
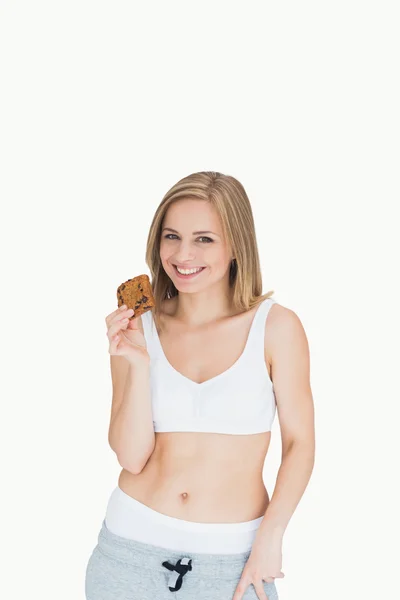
[279,314]
[283,327]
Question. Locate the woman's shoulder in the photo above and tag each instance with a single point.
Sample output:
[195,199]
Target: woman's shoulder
[284,328]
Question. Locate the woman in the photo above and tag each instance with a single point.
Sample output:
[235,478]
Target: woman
[196,383]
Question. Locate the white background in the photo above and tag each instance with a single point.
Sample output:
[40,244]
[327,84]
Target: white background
[104,106]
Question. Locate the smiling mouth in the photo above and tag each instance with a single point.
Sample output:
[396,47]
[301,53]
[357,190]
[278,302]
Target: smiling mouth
[189,274]
[184,268]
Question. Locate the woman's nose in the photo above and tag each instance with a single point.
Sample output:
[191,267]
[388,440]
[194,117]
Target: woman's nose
[184,254]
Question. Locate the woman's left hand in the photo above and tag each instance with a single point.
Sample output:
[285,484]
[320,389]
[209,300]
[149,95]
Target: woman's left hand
[263,564]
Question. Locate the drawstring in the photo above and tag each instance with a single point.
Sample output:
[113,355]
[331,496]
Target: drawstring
[177,572]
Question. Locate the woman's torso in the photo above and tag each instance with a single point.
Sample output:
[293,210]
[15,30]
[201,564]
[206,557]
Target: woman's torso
[201,476]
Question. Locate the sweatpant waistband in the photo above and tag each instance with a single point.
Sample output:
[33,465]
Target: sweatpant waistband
[128,518]
[151,558]
[145,511]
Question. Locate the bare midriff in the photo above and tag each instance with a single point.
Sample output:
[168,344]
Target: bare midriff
[203,477]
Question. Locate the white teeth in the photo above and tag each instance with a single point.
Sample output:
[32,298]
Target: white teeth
[188,271]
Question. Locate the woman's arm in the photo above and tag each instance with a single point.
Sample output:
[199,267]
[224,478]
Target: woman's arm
[289,357]
[131,430]
[290,361]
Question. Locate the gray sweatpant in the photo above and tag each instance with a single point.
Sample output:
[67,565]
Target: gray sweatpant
[125,569]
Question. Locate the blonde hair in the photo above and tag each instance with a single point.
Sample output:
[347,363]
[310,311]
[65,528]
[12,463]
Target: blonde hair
[229,198]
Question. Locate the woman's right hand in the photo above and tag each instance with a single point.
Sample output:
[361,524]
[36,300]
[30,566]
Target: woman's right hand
[125,337]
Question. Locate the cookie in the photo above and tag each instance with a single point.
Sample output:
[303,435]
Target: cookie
[136,293]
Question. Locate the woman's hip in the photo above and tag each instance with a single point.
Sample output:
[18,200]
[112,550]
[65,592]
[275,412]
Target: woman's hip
[129,518]
[125,569]
[143,554]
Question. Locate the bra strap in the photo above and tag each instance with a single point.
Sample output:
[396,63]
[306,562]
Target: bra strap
[257,333]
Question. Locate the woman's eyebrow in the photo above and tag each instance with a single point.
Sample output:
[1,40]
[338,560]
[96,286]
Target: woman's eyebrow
[194,232]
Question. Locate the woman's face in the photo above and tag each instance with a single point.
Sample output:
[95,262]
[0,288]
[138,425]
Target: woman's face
[182,245]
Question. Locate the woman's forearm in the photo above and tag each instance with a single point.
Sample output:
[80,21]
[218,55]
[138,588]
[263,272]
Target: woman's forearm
[292,479]
[131,433]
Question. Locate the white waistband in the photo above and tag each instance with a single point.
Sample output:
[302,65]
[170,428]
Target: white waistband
[129,518]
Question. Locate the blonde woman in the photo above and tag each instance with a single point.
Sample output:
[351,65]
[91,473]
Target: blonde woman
[196,384]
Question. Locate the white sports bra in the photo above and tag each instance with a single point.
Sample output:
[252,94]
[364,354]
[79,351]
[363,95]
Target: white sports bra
[240,400]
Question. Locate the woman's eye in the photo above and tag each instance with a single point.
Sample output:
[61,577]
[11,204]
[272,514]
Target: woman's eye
[201,237]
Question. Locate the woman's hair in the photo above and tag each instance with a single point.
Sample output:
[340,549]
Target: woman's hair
[229,198]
